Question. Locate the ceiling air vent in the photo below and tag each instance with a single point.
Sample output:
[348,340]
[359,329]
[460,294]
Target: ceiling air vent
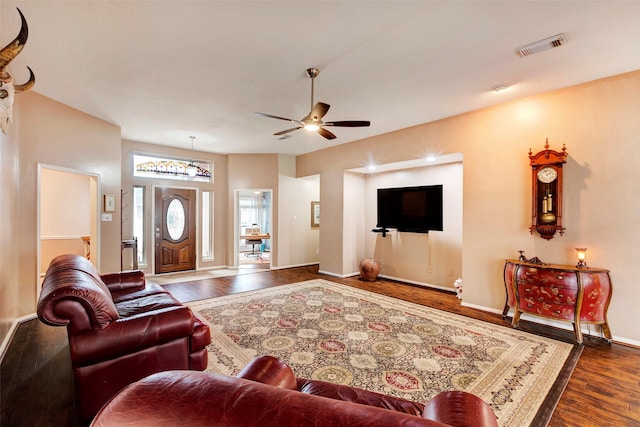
[540,45]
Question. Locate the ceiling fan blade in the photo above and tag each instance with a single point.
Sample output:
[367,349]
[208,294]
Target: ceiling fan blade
[318,112]
[349,123]
[326,133]
[277,117]
[282,132]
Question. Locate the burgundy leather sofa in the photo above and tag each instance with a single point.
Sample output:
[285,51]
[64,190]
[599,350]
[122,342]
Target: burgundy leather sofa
[267,393]
[120,328]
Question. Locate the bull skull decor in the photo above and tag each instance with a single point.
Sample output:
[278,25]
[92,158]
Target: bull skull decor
[7,87]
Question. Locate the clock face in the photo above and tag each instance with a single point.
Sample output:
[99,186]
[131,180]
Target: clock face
[547,175]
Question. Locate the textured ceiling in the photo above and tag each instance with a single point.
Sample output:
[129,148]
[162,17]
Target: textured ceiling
[165,70]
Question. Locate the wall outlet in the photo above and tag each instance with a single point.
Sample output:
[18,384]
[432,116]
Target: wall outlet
[429,269]
[317,251]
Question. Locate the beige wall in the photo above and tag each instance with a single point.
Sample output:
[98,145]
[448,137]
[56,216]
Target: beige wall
[332,202]
[67,213]
[434,258]
[353,223]
[298,242]
[249,172]
[10,291]
[50,133]
[598,123]
[63,211]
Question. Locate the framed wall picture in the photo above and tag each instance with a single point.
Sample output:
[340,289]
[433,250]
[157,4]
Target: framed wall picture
[109,203]
[315,214]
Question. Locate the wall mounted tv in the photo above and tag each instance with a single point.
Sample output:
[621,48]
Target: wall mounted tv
[411,209]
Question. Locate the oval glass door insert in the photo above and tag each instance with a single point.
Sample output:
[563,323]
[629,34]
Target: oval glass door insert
[175,219]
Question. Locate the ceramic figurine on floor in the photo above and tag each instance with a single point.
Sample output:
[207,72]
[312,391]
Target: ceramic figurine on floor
[458,285]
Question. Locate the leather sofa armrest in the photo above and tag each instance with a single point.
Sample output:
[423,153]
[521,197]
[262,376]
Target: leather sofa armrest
[196,398]
[269,370]
[71,296]
[201,336]
[460,409]
[131,334]
[126,280]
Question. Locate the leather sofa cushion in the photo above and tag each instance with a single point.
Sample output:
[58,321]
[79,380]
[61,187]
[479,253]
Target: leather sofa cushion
[124,281]
[128,294]
[145,304]
[355,395]
[132,334]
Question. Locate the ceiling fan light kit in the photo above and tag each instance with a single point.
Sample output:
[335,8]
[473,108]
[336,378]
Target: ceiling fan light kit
[313,121]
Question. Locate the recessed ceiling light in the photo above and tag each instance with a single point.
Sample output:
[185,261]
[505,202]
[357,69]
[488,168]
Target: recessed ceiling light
[372,167]
[500,87]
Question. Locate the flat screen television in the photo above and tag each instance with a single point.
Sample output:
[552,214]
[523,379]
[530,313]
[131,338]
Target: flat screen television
[411,209]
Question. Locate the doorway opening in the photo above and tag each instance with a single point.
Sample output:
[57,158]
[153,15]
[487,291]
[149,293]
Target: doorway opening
[68,209]
[254,216]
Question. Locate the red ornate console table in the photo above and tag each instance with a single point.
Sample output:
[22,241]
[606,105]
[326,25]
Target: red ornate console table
[559,292]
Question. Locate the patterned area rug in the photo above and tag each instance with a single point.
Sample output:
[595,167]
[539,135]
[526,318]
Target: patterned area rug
[331,332]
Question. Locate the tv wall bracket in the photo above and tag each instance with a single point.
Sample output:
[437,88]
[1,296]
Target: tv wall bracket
[383,230]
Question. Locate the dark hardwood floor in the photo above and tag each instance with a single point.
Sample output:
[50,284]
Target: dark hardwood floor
[36,384]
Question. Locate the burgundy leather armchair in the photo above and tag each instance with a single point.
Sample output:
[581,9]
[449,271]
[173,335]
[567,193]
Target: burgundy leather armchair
[120,328]
[267,393]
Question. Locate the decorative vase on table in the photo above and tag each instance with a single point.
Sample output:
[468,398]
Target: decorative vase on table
[369,269]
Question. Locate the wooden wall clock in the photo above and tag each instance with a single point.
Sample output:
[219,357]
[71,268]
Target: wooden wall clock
[546,181]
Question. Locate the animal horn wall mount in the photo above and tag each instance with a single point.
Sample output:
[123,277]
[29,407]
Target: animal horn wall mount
[7,87]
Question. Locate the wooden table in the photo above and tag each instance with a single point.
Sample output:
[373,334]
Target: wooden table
[255,236]
[560,292]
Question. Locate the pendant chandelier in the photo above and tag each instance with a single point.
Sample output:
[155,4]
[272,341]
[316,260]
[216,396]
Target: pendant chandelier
[192,170]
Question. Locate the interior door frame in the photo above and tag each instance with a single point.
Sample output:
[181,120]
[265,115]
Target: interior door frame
[95,246]
[151,230]
[236,222]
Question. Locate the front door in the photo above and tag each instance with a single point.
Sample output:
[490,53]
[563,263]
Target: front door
[175,230]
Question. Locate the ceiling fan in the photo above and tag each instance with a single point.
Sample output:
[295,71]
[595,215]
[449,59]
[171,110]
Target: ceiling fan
[313,120]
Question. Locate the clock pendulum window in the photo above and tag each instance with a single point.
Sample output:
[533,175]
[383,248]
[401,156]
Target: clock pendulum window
[546,206]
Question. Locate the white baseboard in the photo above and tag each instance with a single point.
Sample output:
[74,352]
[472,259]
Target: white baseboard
[399,279]
[556,324]
[423,284]
[282,267]
[329,273]
[12,330]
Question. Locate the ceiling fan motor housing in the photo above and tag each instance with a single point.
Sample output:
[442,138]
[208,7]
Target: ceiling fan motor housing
[313,120]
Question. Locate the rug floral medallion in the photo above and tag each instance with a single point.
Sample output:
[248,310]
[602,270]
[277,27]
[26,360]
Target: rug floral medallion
[332,332]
